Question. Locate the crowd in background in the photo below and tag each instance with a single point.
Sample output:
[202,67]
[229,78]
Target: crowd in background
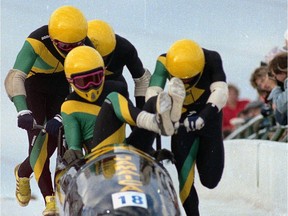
[270,81]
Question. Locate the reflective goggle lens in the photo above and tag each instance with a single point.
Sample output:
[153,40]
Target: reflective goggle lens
[68,46]
[88,79]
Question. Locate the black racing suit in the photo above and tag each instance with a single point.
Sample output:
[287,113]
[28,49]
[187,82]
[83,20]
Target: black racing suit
[124,54]
[46,89]
[80,115]
[203,147]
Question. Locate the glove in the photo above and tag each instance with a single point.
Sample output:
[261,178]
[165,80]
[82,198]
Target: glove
[53,125]
[193,122]
[164,154]
[71,155]
[26,120]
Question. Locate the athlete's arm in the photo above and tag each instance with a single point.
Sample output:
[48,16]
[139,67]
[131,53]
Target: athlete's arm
[141,85]
[14,81]
[158,78]
[140,75]
[218,87]
[123,108]
[72,132]
[71,127]
[126,112]
[25,58]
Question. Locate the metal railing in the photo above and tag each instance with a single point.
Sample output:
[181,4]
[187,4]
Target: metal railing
[260,127]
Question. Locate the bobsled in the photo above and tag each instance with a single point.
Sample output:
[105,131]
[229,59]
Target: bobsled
[117,180]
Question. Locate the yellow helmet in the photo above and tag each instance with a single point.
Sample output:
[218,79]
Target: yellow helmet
[84,70]
[185,59]
[102,36]
[67,24]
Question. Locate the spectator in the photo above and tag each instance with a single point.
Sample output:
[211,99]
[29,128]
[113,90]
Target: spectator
[278,95]
[262,95]
[250,111]
[253,109]
[240,119]
[232,108]
[262,82]
[276,50]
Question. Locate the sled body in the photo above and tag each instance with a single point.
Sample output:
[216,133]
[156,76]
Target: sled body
[116,180]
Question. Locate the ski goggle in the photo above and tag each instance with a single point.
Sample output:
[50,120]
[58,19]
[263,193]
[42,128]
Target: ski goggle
[66,47]
[89,79]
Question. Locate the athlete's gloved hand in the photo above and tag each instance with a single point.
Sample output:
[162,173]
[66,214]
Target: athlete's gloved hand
[26,120]
[71,155]
[193,122]
[53,125]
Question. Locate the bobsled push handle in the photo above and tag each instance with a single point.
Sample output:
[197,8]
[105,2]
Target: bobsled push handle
[36,126]
[61,148]
[60,143]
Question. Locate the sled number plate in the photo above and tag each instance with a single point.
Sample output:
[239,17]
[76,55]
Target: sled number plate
[129,198]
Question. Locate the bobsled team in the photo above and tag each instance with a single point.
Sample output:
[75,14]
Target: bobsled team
[68,76]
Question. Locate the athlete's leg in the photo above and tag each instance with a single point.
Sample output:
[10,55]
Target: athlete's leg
[48,147]
[118,110]
[44,145]
[36,103]
[191,204]
[185,147]
[142,138]
[24,170]
[159,122]
[108,128]
[210,159]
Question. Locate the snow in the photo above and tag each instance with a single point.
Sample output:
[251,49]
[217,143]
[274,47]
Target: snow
[241,31]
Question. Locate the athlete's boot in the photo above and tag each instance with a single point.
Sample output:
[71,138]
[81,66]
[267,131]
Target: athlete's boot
[23,190]
[163,116]
[51,208]
[160,122]
[176,90]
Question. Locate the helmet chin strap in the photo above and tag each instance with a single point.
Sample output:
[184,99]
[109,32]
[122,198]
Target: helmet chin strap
[191,81]
[199,77]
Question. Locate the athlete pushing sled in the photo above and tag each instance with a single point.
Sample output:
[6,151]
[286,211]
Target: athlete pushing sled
[113,178]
